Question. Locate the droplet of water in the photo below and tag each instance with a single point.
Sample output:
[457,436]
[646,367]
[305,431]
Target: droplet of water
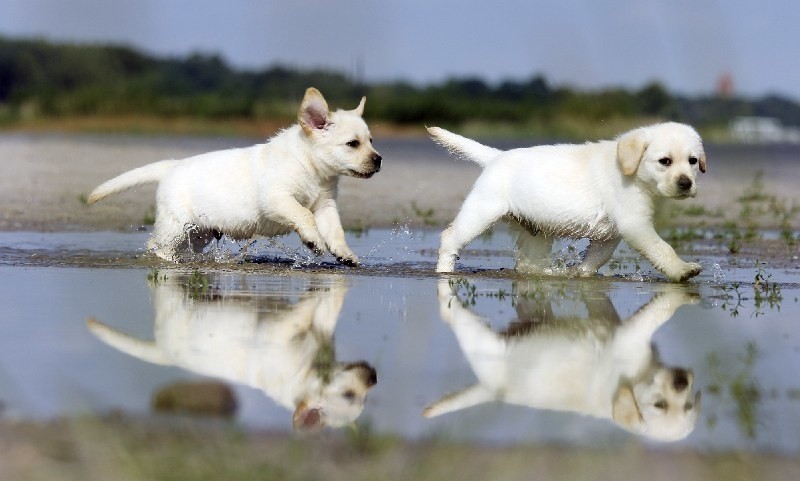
[717,272]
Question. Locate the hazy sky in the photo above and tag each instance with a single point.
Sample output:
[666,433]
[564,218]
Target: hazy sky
[685,44]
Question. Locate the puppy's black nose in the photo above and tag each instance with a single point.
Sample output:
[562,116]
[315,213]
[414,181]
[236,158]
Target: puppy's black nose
[680,380]
[684,182]
[376,160]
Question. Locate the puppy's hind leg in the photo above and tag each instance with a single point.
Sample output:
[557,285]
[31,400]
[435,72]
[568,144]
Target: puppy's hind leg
[168,238]
[477,214]
[532,255]
[596,255]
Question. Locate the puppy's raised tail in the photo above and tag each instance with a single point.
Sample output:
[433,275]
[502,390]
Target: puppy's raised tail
[142,175]
[464,147]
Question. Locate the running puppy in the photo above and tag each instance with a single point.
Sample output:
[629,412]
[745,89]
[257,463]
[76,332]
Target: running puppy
[603,191]
[288,184]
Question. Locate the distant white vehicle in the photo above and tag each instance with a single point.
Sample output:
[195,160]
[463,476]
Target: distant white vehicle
[762,130]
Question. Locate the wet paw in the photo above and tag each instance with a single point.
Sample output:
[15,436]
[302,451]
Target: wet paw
[348,261]
[692,269]
[314,248]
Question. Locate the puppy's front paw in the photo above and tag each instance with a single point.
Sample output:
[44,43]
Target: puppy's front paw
[693,268]
[344,255]
[688,270]
[314,247]
[351,260]
[446,263]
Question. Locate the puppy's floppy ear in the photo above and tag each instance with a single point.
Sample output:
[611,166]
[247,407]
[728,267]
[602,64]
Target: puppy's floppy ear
[703,162]
[313,114]
[625,411]
[360,109]
[630,149]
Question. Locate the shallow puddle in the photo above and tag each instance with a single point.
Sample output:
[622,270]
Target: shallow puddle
[94,324]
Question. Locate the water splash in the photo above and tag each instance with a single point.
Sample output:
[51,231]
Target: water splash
[716,272]
[567,257]
[403,243]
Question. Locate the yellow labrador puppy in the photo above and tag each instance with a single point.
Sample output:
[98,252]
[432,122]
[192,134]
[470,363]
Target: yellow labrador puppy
[603,191]
[288,184]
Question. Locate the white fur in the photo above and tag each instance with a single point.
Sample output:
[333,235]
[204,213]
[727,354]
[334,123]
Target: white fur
[273,348]
[288,184]
[600,366]
[603,191]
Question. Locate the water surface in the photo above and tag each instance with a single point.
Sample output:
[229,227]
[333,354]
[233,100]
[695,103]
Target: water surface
[218,318]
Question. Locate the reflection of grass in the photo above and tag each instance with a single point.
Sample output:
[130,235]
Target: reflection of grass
[155,277]
[740,386]
[197,284]
[765,293]
[467,293]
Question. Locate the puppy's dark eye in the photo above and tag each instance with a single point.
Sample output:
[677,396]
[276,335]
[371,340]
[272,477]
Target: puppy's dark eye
[660,404]
[666,161]
[350,395]
[692,160]
[354,144]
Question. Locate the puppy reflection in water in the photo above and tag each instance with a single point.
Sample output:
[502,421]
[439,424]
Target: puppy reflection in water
[264,341]
[600,366]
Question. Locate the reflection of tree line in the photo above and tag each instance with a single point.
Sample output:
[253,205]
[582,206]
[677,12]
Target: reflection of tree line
[41,78]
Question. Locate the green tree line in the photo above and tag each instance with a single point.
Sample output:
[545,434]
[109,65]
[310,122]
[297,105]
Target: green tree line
[38,78]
